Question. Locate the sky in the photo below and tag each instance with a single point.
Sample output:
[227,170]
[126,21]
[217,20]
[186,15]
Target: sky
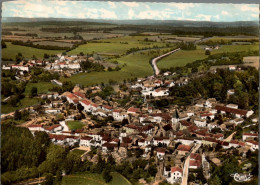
[131,10]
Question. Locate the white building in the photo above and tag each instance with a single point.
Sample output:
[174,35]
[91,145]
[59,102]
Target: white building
[175,175]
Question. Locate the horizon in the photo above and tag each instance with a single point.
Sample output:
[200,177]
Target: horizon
[107,10]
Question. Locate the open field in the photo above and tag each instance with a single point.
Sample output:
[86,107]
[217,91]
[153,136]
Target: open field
[77,151]
[93,179]
[74,125]
[12,50]
[181,58]
[42,87]
[137,65]
[229,38]
[26,102]
[114,45]
[251,61]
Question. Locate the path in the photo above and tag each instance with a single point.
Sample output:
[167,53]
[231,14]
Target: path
[154,65]
[186,166]
[229,138]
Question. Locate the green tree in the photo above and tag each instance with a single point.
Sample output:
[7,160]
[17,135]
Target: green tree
[207,52]
[107,176]
[34,92]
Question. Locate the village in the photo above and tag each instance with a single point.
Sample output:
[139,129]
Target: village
[181,139]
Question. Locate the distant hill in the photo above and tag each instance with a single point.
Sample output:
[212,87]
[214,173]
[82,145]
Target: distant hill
[174,23]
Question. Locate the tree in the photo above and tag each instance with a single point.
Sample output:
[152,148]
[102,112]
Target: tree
[80,107]
[3,44]
[17,115]
[34,92]
[107,176]
[49,179]
[207,52]
[46,55]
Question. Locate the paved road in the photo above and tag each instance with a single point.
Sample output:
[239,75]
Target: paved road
[186,166]
[154,65]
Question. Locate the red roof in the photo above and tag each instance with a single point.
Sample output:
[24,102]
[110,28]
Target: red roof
[176,168]
[86,138]
[210,139]
[218,135]
[107,107]
[86,102]
[184,148]
[72,96]
[80,94]
[126,140]
[160,150]
[52,127]
[109,145]
[231,110]
[132,109]
[195,163]
[57,137]
[94,105]
[185,123]
[117,110]
[250,134]
[252,142]
[195,156]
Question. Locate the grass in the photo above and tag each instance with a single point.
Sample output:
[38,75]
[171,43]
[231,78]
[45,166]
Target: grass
[181,58]
[12,50]
[93,179]
[115,46]
[43,87]
[79,152]
[137,66]
[26,102]
[74,125]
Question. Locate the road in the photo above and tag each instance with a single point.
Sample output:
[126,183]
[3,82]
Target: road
[229,138]
[186,166]
[154,65]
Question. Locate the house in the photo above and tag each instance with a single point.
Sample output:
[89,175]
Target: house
[100,112]
[58,139]
[230,92]
[131,129]
[200,122]
[183,149]
[253,145]
[85,141]
[80,95]
[107,108]
[147,129]
[195,161]
[34,128]
[237,112]
[86,104]
[71,98]
[185,141]
[20,68]
[237,121]
[245,136]
[54,128]
[161,140]
[209,141]
[175,175]
[160,92]
[118,115]
[133,110]
[160,152]
[108,147]
[184,124]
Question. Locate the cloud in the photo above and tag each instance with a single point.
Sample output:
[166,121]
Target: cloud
[61,3]
[112,4]
[182,6]
[255,15]
[251,8]
[131,14]
[224,13]
[106,14]
[130,4]
[202,17]
[216,16]
[81,15]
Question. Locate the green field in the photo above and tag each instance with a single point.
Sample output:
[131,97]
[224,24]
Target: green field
[181,58]
[26,102]
[77,151]
[74,125]
[137,66]
[115,46]
[12,50]
[43,87]
[93,179]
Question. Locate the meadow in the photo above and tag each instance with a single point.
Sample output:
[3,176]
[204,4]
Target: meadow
[12,50]
[181,58]
[42,87]
[93,179]
[74,125]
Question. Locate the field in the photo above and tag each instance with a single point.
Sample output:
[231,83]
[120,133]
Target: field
[93,179]
[251,61]
[12,50]
[229,38]
[77,151]
[137,65]
[42,87]
[181,58]
[74,125]
[114,45]
[26,102]
[52,43]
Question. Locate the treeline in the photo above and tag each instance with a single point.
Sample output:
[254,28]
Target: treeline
[215,85]
[186,46]
[47,47]
[132,50]
[90,66]
[26,34]
[226,42]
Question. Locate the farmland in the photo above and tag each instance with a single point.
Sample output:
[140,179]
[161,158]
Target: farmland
[12,50]
[42,87]
[181,58]
[93,179]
